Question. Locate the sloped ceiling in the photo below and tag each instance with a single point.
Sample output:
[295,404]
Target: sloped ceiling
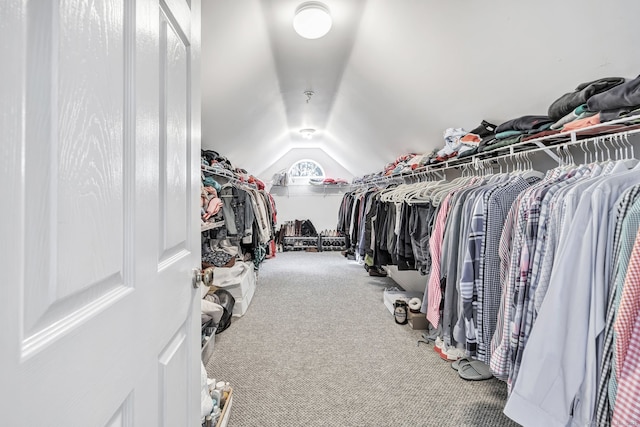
[391,76]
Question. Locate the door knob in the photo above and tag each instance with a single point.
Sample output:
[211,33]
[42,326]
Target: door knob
[196,279]
[207,276]
[202,276]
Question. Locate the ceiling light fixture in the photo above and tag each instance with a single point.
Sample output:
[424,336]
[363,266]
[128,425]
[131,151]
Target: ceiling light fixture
[312,20]
[307,133]
[309,94]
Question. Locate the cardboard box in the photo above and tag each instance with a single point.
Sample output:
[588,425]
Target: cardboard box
[226,412]
[417,320]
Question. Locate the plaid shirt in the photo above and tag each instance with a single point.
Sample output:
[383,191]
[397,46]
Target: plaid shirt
[465,274]
[537,236]
[627,409]
[497,206]
[470,275]
[499,347]
[512,244]
[501,361]
[628,309]
[520,267]
[484,341]
[628,221]
[630,226]
[627,363]
[531,219]
[566,393]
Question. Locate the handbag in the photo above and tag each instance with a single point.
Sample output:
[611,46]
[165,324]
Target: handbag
[227,302]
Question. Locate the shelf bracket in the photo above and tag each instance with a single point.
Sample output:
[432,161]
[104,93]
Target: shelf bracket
[549,152]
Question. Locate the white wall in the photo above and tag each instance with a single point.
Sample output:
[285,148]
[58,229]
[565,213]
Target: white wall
[332,168]
[419,67]
[317,203]
[321,209]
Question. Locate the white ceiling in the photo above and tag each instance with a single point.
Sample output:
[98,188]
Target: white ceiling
[391,76]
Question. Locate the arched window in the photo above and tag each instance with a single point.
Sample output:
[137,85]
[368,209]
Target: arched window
[301,171]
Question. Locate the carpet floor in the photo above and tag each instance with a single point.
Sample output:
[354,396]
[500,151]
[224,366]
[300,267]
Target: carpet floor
[317,347]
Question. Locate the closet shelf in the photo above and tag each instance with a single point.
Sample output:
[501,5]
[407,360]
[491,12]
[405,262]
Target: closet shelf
[230,176]
[619,128]
[211,225]
[553,142]
[309,190]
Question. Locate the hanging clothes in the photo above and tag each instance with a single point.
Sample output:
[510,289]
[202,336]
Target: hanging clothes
[245,220]
[526,273]
[576,298]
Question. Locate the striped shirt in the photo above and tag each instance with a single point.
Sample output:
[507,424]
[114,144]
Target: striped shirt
[575,300]
[627,225]
[435,247]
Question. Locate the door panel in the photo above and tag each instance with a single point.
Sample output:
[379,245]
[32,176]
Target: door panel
[75,167]
[173,390]
[123,416]
[174,135]
[94,332]
[180,12]
[89,145]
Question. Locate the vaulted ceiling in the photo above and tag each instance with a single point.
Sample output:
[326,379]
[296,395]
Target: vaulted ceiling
[391,76]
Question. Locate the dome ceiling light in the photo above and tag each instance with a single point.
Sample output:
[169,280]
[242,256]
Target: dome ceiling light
[312,20]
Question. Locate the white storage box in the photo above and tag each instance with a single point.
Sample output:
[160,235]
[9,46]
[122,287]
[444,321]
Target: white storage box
[240,282]
[242,303]
[244,291]
[409,280]
[207,348]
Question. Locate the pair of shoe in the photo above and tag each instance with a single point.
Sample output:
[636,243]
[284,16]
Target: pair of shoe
[446,352]
[377,271]
[472,370]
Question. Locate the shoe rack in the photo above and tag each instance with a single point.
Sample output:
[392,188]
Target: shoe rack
[292,243]
[319,243]
[332,243]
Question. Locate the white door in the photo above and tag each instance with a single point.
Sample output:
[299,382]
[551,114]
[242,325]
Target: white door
[99,178]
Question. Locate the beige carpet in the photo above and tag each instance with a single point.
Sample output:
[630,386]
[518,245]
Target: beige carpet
[317,347]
